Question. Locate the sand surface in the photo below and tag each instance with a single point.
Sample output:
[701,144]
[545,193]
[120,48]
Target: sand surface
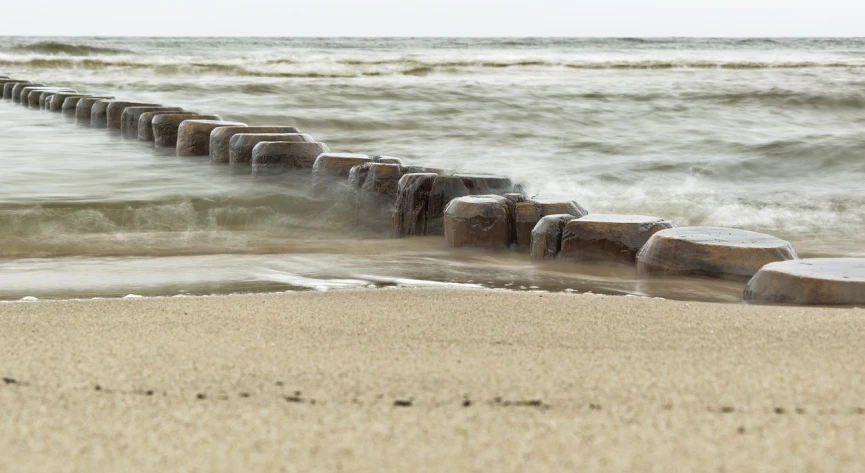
[486,381]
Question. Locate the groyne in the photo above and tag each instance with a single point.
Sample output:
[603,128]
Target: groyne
[468,211]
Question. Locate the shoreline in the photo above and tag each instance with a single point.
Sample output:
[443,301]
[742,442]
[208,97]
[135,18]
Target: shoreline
[428,379]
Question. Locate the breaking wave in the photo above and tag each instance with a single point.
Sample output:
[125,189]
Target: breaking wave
[295,68]
[55,48]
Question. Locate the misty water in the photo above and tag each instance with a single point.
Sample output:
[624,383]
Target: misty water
[764,135]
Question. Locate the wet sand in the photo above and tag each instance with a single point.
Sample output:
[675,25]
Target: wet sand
[429,380]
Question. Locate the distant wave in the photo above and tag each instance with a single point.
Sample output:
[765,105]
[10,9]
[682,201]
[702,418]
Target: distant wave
[66,49]
[409,67]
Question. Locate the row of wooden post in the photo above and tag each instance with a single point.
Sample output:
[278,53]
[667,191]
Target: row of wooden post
[469,210]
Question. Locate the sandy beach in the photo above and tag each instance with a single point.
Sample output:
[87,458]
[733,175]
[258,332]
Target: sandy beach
[429,380]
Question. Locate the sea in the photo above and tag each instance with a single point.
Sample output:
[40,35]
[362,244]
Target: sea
[752,133]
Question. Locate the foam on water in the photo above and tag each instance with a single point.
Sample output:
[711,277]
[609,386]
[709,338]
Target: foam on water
[759,134]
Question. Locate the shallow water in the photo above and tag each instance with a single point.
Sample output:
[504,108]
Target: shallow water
[765,135]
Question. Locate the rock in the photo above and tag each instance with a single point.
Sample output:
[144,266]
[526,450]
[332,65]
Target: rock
[45,98]
[19,87]
[447,187]
[165,126]
[83,109]
[220,138]
[114,111]
[810,281]
[479,184]
[331,170]
[99,113]
[598,237]
[444,189]
[387,160]
[241,144]
[381,186]
[529,212]
[30,95]
[55,104]
[12,81]
[357,177]
[412,202]
[8,87]
[479,221]
[70,104]
[42,99]
[193,136]
[24,94]
[526,216]
[547,236]
[514,197]
[711,251]
[129,117]
[278,157]
[372,189]
[415,169]
[145,122]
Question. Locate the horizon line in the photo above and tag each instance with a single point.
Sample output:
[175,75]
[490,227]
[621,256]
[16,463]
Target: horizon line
[434,37]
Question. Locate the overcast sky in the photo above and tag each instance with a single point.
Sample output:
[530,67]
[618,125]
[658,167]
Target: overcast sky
[434,18]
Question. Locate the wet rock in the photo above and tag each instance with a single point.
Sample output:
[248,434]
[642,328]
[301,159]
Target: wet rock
[165,126]
[547,236]
[145,122]
[388,160]
[44,98]
[809,281]
[18,88]
[84,107]
[526,216]
[30,95]
[529,212]
[416,169]
[55,103]
[514,197]
[331,170]
[598,237]
[193,136]
[357,177]
[372,191]
[479,184]
[9,86]
[33,92]
[114,111]
[479,221]
[711,251]
[241,144]
[278,157]
[412,202]
[220,138]
[69,106]
[98,113]
[130,116]
[444,189]
[12,81]
[379,189]
[450,186]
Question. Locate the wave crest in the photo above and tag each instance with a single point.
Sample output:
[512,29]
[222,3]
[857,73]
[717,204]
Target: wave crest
[56,48]
[406,67]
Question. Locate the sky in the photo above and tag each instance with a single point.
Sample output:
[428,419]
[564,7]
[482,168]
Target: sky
[622,18]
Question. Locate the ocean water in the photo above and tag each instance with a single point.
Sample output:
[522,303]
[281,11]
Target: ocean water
[759,134]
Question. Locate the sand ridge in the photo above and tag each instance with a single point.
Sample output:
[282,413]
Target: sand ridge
[428,380]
